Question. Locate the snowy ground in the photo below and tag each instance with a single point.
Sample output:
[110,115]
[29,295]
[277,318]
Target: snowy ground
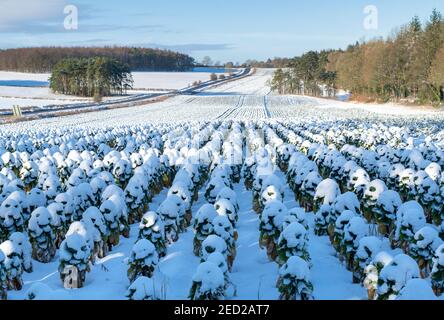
[26,90]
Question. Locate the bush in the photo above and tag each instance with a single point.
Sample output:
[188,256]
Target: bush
[213,77]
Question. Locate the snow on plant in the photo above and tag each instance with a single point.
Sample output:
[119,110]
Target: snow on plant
[203,226]
[425,243]
[300,216]
[111,215]
[95,219]
[223,228]
[308,190]
[51,187]
[410,219]
[214,187]
[370,199]
[294,280]
[74,256]
[354,231]
[358,182]
[143,260]
[67,202]
[180,190]
[41,234]
[20,240]
[29,174]
[428,195]
[437,274]
[339,228]
[11,219]
[213,243]
[58,221]
[326,193]
[218,259]
[292,242]
[394,175]
[271,223]
[3,277]
[386,209]
[416,290]
[151,228]
[322,220]
[226,208]
[143,288]
[394,276]
[208,283]
[134,195]
[367,250]
[35,199]
[269,194]
[13,263]
[170,213]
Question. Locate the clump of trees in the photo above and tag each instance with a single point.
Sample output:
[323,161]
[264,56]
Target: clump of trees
[91,77]
[44,59]
[407,66]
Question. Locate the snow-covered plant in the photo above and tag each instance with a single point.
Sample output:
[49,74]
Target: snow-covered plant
[416,290]
[437,274]
[354,231]
[410,219]
[326,193]
[270,193]
[112,221]
[13,264]
[151,228]
[213,243]
[214,187]
[218,259]
[95,219]
[425,243]
[134,196]
[208,283]
[58,221]
[75,252]
[346,201]
[226,208]
[358,182]
[181,191]
[300,216]
[143,288]
[41,235]
[122,172]
[367,250]
[3,277]
[67,202]
[270,227]
[203,226]
[341,222]
[308,190]
[394,276]
[170,212]
[36,198]
[29,174]
[143,260]
[223,228]
[293,242]
[371,196]
[21,241]
[322,220]
[386,209]
[11,219]
[294,280]
[230,195]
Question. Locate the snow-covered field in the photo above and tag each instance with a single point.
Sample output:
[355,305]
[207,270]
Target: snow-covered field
[31,90]
[230,194]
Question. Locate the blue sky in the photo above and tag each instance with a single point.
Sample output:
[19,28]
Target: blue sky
[226,30]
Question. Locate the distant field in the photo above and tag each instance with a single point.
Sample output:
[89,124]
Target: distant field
[31,89]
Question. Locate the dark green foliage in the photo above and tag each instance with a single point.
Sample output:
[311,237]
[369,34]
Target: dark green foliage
[93,77]
[43,59]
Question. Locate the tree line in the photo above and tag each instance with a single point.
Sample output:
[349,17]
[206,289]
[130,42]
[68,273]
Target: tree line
[43,59]
[407,66]
[91,77]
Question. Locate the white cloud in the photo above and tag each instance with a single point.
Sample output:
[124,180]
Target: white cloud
[13,13]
